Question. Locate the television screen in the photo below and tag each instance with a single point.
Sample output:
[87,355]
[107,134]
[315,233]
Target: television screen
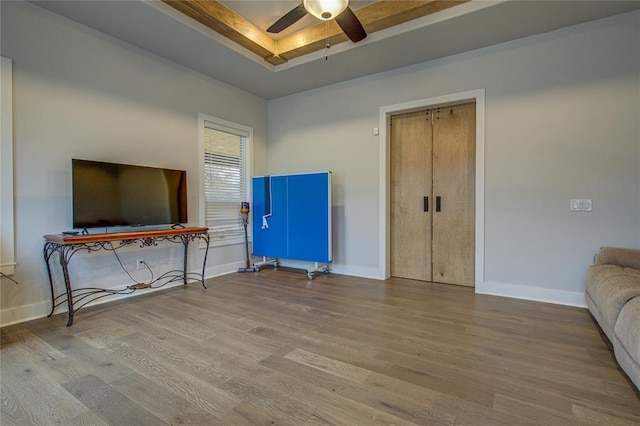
[110,194]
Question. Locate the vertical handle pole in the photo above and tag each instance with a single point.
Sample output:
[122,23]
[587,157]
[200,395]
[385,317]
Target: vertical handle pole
[425,204]
[438,203]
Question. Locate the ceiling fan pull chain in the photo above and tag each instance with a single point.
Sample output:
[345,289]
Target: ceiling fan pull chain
[327,44]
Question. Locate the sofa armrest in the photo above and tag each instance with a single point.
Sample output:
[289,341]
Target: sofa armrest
[625,257]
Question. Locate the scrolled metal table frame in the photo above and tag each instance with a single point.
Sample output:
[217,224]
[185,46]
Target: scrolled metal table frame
[68,246]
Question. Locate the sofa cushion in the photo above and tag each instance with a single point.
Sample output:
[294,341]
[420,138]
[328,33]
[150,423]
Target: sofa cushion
[626,344]
[620,256]
[608,288]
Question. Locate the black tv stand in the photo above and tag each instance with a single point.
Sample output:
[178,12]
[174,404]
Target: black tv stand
[68,245]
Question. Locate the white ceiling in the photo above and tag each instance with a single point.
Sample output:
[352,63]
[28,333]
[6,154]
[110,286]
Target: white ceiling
[157,28]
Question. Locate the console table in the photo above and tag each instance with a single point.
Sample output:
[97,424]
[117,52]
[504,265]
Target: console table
[68,245]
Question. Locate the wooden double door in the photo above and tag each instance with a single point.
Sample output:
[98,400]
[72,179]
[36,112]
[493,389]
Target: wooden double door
[433,195]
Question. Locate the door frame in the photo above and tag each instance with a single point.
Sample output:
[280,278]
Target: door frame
[477,96]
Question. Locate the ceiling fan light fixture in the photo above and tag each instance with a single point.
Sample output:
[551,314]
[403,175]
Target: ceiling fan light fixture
[325,9]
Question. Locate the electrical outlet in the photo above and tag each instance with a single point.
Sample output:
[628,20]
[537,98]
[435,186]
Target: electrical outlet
[581,205]
[140,264]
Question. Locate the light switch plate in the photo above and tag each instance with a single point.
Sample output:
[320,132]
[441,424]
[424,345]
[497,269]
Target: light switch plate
[581,205]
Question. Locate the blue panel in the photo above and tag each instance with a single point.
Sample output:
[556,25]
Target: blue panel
[270,241]
[308,217]
[259,204]
[299,226]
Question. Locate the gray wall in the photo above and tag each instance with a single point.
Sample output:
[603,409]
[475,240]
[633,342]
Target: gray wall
[81,94]
[562,122]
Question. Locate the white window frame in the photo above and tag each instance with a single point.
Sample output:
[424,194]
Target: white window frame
[229,127]
[7,235]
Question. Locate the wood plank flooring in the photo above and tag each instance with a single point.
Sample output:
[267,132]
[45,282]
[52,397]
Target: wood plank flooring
[275,349]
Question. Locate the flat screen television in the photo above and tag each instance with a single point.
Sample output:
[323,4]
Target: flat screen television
[111,194]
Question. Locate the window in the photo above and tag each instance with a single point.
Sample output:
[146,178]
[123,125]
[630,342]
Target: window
[225,149]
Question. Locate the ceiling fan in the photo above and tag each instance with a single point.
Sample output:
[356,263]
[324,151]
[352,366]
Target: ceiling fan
[324,10]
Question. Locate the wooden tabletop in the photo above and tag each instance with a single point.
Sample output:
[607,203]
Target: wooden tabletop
[121,236]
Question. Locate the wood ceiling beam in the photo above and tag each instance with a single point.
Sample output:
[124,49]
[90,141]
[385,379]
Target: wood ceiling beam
[374,17]
[388,13]
[226,22]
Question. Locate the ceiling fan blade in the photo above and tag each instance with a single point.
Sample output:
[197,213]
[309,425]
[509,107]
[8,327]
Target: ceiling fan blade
[351,26]
[293,16]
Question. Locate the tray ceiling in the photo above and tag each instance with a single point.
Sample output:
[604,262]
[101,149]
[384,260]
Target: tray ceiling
[226,18]
[162,30]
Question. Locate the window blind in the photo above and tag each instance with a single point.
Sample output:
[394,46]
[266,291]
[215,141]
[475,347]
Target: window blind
[225,180]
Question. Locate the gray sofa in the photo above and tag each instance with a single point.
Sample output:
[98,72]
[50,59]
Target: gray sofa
[612,292]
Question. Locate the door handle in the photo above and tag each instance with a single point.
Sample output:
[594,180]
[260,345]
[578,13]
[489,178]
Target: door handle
[438,203]
[425,204]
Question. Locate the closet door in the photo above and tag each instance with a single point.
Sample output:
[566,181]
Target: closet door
[411,173]
[453,239]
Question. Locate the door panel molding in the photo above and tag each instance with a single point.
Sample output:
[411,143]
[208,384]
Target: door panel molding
[477,96]
[410,186]
[453,183]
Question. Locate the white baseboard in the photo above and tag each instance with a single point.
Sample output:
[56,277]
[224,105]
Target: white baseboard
[24,313]
[225,269]
[41,309]
[354,271]
[357,271]
[515,291]
[538,294]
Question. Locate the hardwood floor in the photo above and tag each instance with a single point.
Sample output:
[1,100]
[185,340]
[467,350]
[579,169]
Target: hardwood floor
[273,348]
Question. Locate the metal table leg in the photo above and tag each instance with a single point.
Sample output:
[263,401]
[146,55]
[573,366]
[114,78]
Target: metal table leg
[64,261]
[49,249]
[205,237]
